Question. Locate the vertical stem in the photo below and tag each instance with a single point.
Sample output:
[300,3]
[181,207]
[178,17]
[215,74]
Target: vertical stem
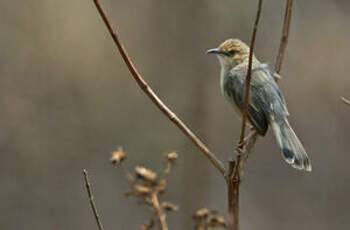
[91,199]
[233,177]
[285,35]
[249,72]
[233,198]
[159,212]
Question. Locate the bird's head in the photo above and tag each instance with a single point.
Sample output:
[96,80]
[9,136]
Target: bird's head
[231,52]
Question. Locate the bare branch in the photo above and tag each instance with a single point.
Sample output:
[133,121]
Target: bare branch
[233,179]
[92,202]
[246,145]
[249,145]
[149,225]
[159,212]
[249,73]
[346,101]
[155,99]
[285,36]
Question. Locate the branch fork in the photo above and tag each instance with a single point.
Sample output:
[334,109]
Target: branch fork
[233,174]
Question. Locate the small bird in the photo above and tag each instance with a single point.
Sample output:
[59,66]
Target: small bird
[267,106]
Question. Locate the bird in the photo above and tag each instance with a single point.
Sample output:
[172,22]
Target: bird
[267,106]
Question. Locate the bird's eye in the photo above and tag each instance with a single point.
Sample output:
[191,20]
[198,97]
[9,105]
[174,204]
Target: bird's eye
[232,52]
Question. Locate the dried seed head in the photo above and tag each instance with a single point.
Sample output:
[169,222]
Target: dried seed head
[142,190]
[118,156]
[170,206]
[217,221]
[172,157]
[145,174]
[201,213]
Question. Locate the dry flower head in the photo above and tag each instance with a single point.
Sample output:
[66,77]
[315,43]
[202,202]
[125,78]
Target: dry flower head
[172,156]
[201,213]
[118,156]
[145,174]
[142,190]
[169,206]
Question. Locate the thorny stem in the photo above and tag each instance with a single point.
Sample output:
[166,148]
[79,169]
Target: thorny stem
[92,202]
[155,99]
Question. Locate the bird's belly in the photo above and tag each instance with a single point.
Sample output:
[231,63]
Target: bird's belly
[237,110]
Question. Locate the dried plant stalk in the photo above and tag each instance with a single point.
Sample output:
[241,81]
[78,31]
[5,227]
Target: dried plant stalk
[91,199]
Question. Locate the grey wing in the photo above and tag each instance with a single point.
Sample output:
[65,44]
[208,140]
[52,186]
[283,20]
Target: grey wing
[266,101]
[267,95]
[234,88]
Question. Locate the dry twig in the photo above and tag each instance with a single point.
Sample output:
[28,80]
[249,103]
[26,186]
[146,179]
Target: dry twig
[234,177]
[206,219]
[148,188]
[159,212]
[279,60]
[250,140]
[92,202]
[155,99]
[285,36]
[346,101]
[149,225]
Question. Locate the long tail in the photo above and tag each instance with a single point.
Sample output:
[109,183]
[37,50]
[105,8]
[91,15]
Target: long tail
[293,151]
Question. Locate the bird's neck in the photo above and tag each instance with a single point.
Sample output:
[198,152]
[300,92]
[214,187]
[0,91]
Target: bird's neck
[223,74]
[244,58]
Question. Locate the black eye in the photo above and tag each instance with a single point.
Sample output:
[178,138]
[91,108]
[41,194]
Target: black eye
[232,52]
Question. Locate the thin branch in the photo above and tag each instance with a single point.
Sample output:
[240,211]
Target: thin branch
[149,225]
[246,145]
[155,99]
[285,36]
[233,179]
[249,145]
[249,73]
[279,59]
[159,212]
[251,139]
[92,202]
[346,101]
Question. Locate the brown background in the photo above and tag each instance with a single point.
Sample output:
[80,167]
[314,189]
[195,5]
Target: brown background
[67,100]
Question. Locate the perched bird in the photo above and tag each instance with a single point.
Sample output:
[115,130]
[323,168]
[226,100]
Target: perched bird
[267,106]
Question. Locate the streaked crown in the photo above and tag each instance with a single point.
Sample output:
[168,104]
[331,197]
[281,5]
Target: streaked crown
[234,46]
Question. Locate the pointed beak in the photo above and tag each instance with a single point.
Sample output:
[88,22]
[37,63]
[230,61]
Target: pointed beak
[216,51]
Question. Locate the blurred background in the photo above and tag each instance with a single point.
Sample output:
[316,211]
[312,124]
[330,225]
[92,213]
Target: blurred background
[67,101]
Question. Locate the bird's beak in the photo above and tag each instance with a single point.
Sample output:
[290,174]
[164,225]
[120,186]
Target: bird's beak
[216,51]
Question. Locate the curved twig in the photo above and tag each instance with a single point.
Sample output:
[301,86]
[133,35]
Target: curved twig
[155,99]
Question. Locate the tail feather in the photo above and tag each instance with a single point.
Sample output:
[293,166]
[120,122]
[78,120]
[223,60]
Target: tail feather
[293,151]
